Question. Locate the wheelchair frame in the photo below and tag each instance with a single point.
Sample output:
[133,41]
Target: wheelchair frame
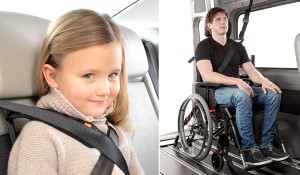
[201,120]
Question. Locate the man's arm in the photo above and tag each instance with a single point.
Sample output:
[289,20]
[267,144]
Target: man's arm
[209,76]
[256,77]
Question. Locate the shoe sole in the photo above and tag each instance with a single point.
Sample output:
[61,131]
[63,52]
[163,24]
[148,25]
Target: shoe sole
[259,163]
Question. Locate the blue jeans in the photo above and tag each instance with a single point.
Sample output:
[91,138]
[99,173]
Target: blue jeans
[243,104]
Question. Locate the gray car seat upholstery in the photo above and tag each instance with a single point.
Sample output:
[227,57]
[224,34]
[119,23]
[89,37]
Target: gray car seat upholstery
[143,103]
[21,39]
[297,50]
[150,37]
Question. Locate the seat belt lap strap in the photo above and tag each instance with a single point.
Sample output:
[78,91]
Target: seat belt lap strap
[103,166]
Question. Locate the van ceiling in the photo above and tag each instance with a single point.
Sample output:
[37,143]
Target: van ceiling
[51,9]
[142,14]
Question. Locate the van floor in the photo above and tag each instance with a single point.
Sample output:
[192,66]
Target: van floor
[174,161]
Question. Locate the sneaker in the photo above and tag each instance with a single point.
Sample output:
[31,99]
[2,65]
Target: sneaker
[274,153]
[256,158]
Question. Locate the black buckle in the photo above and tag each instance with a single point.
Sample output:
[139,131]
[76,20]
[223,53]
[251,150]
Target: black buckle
[246,20]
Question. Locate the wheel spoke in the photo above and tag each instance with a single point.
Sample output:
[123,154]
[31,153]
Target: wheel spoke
[194,127]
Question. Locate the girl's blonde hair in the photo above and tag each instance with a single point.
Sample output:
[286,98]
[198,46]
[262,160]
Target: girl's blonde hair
[79,29]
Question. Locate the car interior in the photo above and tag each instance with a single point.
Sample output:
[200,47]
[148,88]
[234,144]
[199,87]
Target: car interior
[21,37]
[186,157]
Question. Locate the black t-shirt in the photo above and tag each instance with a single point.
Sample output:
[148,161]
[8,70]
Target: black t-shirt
[209,49]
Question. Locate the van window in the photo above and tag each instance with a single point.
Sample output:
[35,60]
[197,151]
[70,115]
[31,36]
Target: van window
[270,35]
[202,29]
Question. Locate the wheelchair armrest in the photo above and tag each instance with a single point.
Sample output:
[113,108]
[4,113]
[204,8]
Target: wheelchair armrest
[246,79]
[209,85]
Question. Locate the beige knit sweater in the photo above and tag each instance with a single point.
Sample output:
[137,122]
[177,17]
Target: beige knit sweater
[43,150]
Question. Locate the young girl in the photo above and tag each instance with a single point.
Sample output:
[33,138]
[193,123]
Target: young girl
[81,73]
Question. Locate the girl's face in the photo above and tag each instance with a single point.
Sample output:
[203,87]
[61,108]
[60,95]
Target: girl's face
[90,78]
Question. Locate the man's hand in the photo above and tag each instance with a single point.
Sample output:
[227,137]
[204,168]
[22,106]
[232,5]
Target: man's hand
[267,84]
[242,85]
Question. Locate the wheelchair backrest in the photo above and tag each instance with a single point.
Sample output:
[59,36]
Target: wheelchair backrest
[207,93]
[21,40]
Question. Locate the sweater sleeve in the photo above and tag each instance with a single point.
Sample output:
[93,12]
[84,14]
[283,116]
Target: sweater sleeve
[33,152]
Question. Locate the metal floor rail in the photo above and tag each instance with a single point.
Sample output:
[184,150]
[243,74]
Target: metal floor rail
[174,161]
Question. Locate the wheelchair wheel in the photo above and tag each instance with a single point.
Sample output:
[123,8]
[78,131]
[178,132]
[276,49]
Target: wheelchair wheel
[195,127]
[217,161]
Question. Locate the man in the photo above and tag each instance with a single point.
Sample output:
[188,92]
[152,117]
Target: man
[210,54]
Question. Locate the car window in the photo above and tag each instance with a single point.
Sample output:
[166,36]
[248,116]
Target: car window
[270,35]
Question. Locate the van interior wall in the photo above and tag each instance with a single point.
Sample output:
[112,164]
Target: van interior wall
[176,48]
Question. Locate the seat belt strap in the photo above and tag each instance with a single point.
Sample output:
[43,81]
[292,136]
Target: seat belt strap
[245,21]
[112,134]
[89,136]
[105,166]
[241,38]
[228,57]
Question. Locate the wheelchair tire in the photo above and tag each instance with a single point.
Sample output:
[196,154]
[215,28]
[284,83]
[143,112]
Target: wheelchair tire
[195,127]
[217,161]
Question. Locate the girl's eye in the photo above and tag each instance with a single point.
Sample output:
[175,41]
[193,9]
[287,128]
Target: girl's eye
[89,76]
[113,75]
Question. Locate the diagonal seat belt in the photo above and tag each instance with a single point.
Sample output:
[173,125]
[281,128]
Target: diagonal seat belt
[228,57]
[89,136]
[241,38]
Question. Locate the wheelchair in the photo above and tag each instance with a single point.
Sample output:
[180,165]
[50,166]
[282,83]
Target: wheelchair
[201,120]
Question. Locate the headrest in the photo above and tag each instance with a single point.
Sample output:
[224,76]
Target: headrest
[20,44]
[21,40]
[208,34]
[136,58]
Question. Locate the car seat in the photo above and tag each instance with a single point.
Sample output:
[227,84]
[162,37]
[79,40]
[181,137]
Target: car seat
[21,40]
